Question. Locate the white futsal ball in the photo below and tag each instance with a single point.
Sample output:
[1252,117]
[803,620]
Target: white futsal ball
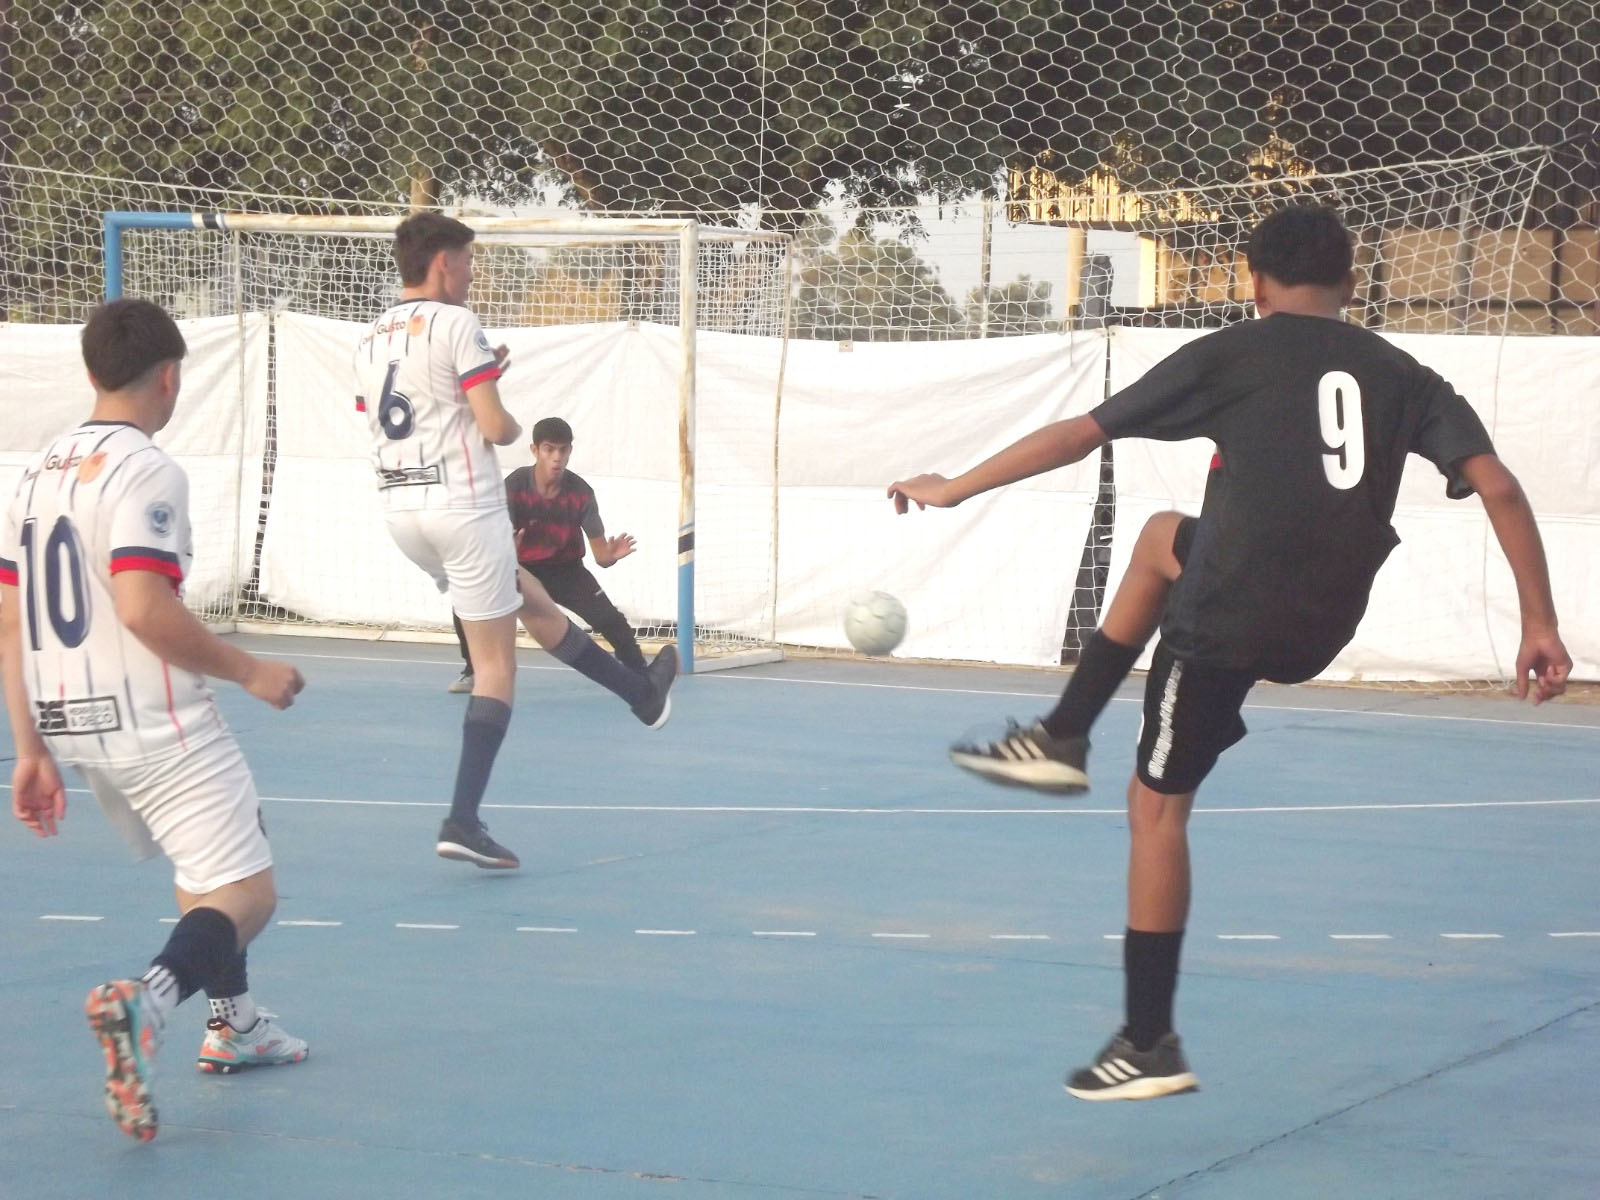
[875,622]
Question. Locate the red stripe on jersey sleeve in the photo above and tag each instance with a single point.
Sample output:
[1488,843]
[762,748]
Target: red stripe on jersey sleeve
[361,404]
[484,374]
[8,572]
[124,560]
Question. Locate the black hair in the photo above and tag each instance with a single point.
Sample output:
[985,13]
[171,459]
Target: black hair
[1302,243]
[422,235]
[124,339]
[552,429]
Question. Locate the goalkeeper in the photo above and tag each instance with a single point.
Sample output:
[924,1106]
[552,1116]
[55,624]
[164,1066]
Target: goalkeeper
[553,511]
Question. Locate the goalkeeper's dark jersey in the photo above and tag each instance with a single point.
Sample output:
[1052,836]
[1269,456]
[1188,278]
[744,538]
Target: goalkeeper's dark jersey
[1313,419]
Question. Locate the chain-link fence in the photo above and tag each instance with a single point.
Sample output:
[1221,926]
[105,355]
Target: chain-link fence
[940,164]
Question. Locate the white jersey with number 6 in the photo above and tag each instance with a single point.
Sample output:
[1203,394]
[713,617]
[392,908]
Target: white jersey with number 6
[101,500]
[413,367]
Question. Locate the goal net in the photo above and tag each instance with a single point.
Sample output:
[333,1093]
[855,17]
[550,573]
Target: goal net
[662,344]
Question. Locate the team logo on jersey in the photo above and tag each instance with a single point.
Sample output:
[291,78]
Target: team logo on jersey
[92,466]
[159,516]
[91,714]
[56,462]
[416,325]
[483,340]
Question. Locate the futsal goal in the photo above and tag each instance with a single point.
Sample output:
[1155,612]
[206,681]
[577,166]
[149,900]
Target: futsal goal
[662,342]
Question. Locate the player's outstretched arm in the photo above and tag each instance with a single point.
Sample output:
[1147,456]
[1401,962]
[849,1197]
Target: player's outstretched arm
[37,798]
[1056,445]
[152,612]
[494,422]
[1542,654]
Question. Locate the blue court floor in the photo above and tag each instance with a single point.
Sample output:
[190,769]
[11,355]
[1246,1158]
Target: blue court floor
[781,948]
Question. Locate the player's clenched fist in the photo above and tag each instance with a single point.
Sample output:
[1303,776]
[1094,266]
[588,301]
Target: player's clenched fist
[277,683]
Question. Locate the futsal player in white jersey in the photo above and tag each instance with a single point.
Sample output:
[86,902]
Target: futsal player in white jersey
[427,380]
[103,670]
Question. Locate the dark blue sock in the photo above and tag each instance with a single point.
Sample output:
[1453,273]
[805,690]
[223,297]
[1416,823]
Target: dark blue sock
[232,980]
[481,734]
[200,951]
[578,651]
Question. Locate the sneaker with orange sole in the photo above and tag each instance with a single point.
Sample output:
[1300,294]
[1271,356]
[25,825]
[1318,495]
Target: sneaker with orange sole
[119,1014]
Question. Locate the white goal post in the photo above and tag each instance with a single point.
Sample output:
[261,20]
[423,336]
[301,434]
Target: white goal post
[685,288]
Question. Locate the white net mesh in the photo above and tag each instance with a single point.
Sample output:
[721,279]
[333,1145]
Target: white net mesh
[551,295]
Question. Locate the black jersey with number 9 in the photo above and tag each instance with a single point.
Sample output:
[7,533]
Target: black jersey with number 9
[1313,419]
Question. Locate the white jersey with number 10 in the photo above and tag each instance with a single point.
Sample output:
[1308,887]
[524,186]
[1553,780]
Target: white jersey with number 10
[101,500]
[413,368]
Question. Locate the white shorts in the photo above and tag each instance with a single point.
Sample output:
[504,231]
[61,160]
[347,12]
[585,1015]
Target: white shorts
[470,554]
[199,808]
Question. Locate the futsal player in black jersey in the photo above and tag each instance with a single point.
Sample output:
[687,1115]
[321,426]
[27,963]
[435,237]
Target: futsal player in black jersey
[1313,419]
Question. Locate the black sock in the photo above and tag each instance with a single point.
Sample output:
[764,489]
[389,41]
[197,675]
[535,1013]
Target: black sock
[1150,965]
[481,734]
[578,651]
[1101,668]
[623,645]
[200,951]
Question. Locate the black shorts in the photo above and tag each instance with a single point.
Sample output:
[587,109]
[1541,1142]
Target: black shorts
[1183,538]
[1191,715]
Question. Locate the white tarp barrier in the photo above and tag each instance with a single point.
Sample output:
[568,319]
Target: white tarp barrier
[1444,605]
[217,433]
[992,582]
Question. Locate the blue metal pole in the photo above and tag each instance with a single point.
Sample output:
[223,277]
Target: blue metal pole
[114,224]
[686,599]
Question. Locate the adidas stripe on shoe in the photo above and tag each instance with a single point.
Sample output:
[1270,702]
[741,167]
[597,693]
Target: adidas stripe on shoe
[1120,1072]
[1028,757]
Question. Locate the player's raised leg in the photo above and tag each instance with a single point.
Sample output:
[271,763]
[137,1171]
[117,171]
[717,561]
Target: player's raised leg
[646,692]
[1051,755]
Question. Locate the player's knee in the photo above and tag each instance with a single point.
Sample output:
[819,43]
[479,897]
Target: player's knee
[1157,814]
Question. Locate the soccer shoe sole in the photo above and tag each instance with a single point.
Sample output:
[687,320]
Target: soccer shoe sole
[460,853]
[1039,775]
[127,1091]
[1147,1088]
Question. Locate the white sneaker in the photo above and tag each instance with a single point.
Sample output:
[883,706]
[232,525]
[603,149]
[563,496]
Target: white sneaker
[264,1044]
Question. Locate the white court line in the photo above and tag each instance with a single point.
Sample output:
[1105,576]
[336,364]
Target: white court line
[825,810]
[734,677]
[416,925]
[68,917]
[1248,937]
[1472,937]
[665,932]
[1594,933]
[1019,937]
[783,933]
[312,924]
[1113,937]
[835,810]
[168,920]
[1360,937]
[911,937]
[547,929]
